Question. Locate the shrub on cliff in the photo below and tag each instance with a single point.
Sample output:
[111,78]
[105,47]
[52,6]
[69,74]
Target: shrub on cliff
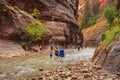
[90,17]
[35,13]
[110,14]
[113,20]
[34,31]
[95,8]
[112,34]
[86,16]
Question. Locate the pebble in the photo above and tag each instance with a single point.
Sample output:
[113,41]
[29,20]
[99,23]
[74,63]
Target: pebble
[103,74]
[87,75]
[97,67]
[33,79]
[109,79]
[74,77]
[63,75]
[76,72]
[84,70]
[41,69]
[47,74]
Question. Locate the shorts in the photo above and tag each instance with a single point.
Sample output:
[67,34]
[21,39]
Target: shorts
[56,54]
[62,55]
[50,55]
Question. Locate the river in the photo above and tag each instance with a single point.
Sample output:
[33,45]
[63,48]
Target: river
[22,67]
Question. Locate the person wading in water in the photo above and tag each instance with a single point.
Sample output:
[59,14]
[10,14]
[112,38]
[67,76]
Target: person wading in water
[51,49]
[57,52]
[62,54]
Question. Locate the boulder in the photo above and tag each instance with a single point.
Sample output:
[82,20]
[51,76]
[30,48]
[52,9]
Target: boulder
[108,57]
[9,49]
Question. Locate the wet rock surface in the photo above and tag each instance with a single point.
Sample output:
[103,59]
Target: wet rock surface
[10,49]
[109,57]
[81,70]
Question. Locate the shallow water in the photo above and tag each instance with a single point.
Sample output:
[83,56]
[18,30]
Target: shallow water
[21,68]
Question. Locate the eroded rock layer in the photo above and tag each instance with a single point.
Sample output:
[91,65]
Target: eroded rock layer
[109,57]
[54,13]
[58,17]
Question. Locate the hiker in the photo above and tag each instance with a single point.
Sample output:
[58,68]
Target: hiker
[51,54]
[56,52]
[62,54]
[78,48]
[51,49]
[40,47]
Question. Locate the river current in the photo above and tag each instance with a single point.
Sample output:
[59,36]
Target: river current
[20,68]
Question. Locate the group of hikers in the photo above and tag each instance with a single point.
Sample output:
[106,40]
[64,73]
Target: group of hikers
[56,52]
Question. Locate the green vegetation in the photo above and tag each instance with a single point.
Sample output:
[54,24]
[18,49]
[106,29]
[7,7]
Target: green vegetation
[117,21]
[113,20]
[111,35]
[110,14]
[86,16]
[89,21]
[103,37]
[96,8]
[34,31]
[89,18]
[25,45]
[35,13]
[92,20]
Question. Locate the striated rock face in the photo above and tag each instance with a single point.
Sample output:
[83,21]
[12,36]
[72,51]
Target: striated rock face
[12,21]
[57,29]
[58,16]
[93,34]
[12,26]
[109,57]
[57,10]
